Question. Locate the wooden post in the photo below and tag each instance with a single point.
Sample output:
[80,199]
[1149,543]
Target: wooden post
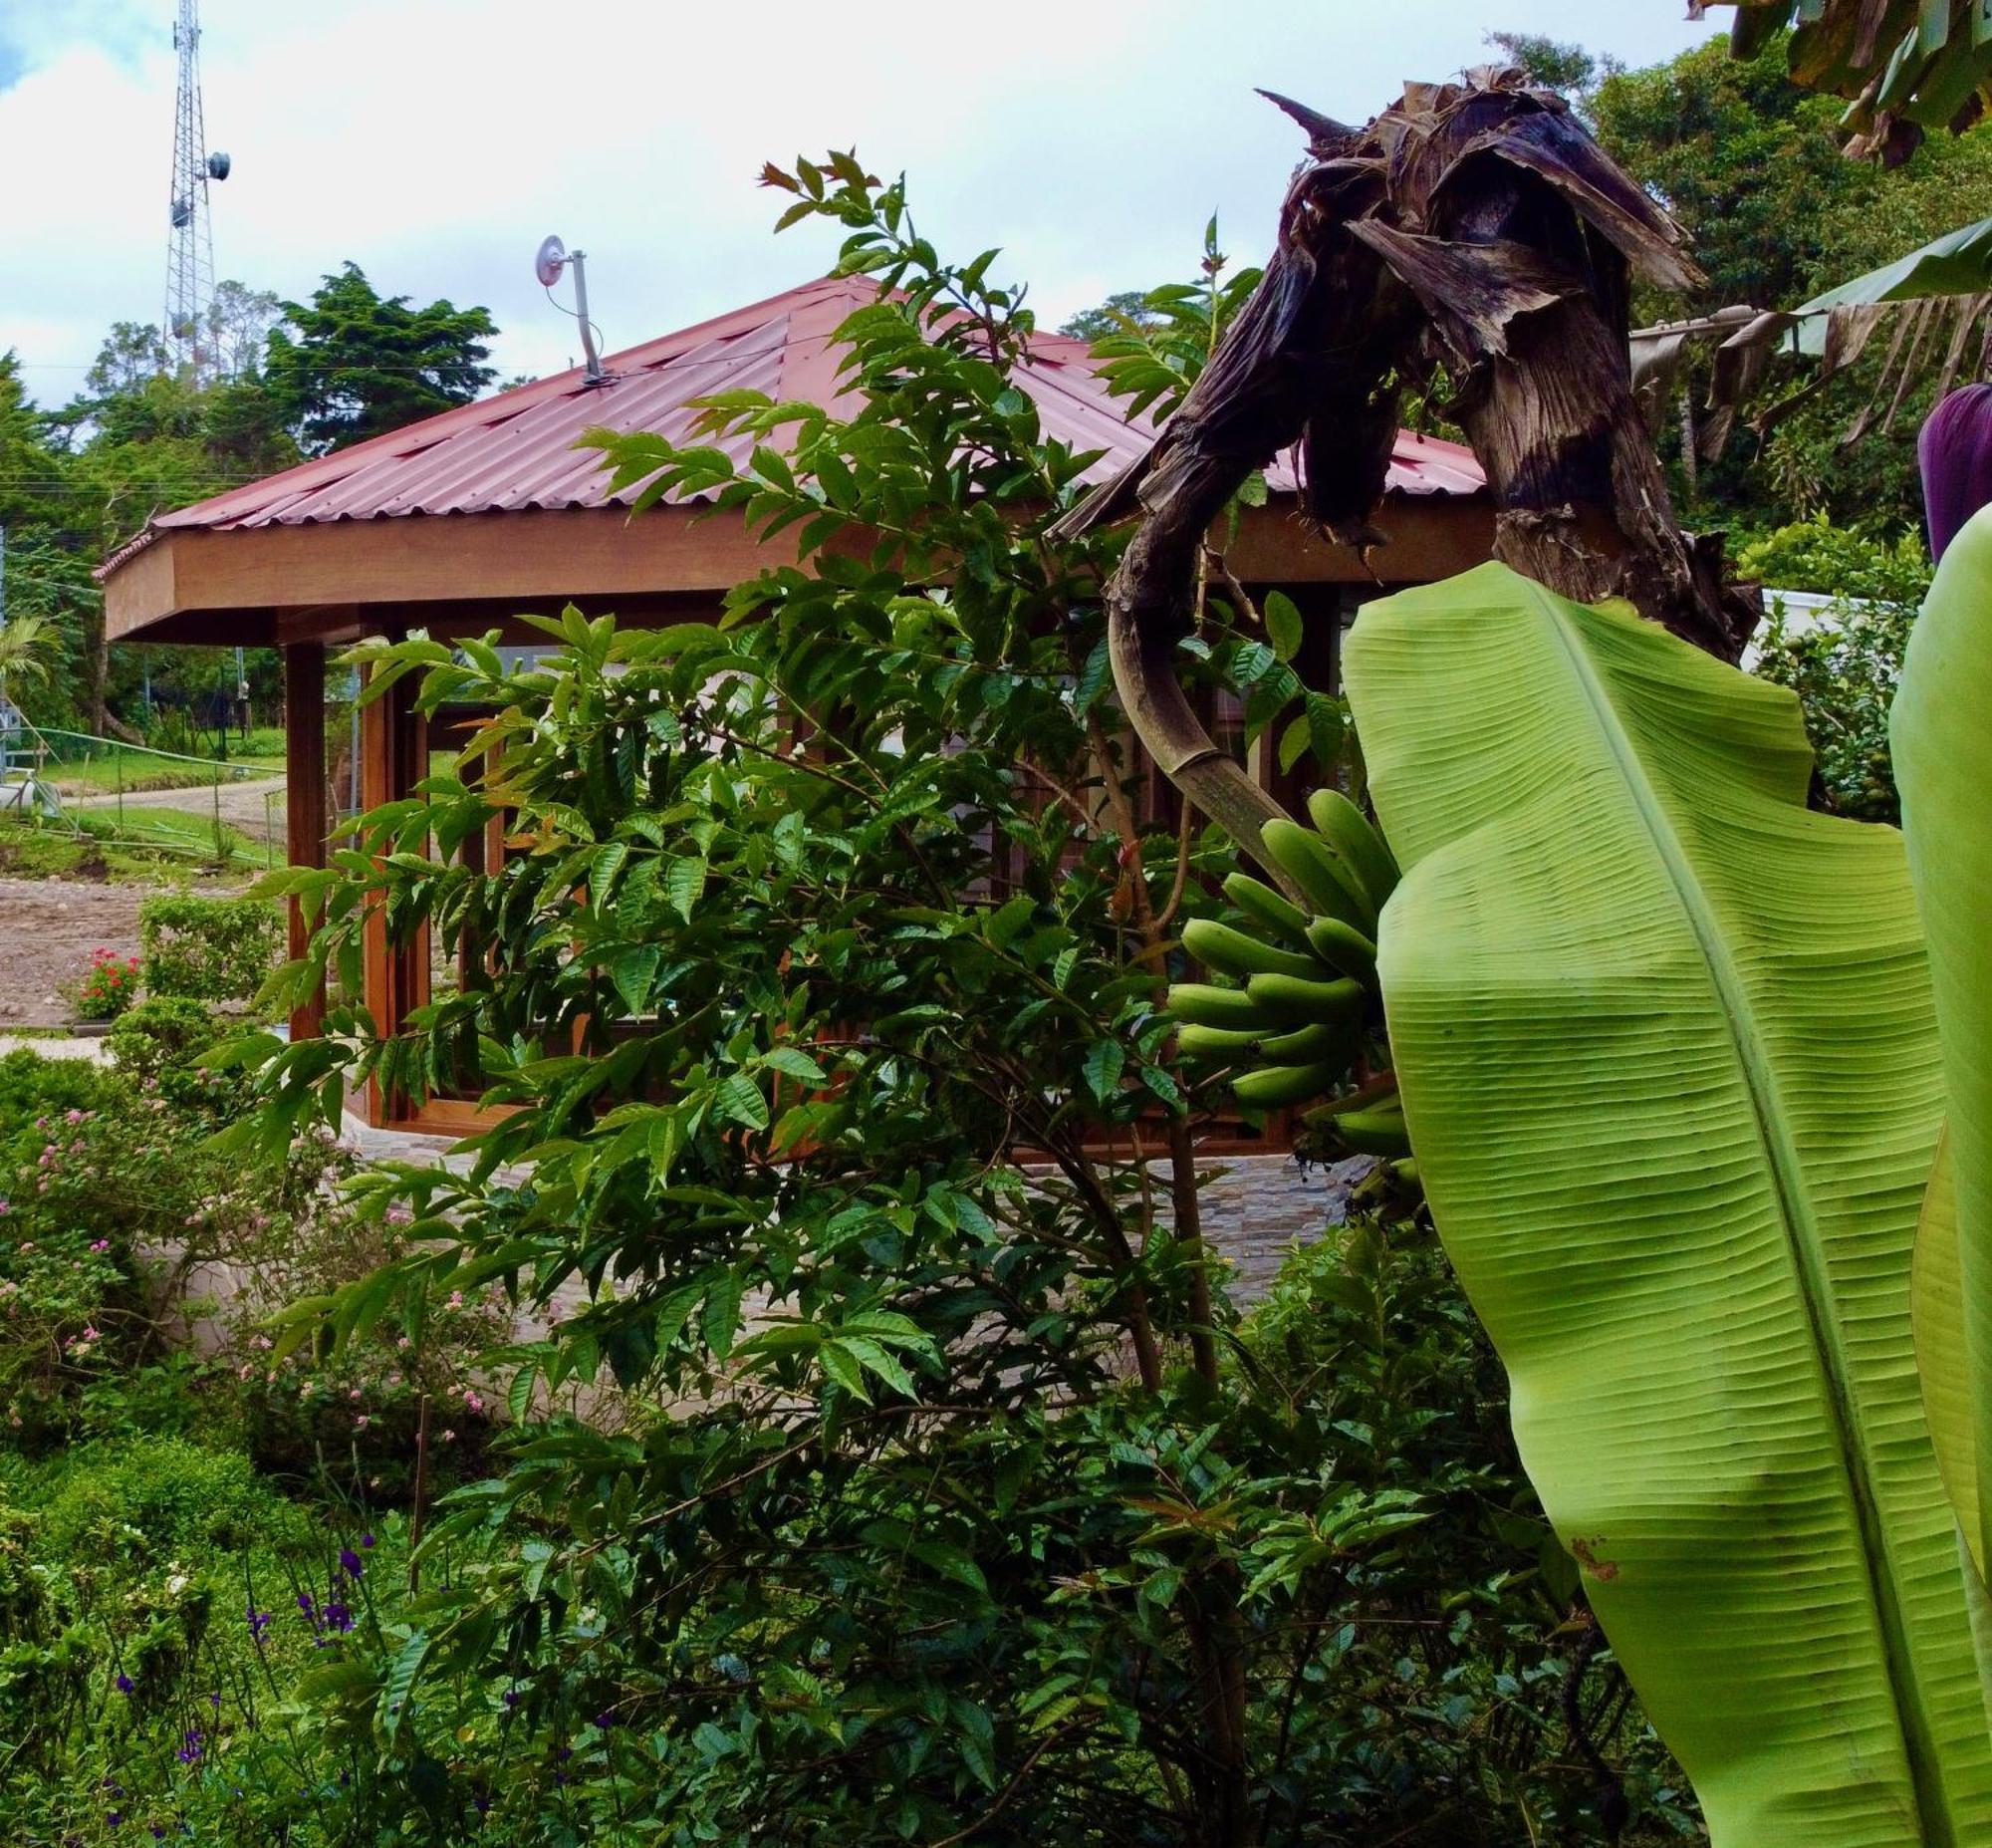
[393,757]
[304,795]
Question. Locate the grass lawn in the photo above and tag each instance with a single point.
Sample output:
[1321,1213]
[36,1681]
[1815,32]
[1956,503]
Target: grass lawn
[101,777]
[149,844]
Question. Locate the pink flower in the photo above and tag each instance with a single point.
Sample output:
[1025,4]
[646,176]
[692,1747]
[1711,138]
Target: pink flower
[449,1436]
[362,1421]
[353,1392]
[99,1245]
[74,1116]
[456,1299]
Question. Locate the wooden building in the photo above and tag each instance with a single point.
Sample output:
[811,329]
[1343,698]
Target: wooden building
[456,524]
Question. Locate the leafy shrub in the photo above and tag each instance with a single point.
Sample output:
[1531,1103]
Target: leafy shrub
[106,987]
[159,1042]
[1838,560]
[207,949]
[1844,667]
[157,1602]
[116,1208]
[142,1501]
[347,1423]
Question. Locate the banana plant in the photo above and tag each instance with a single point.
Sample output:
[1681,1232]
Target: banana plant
[1942,746]
[1669,1056]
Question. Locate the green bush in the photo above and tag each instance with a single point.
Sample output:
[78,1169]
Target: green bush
[208,949]
[160,1041]
[1843,670]
[157,1604]
[1838,560]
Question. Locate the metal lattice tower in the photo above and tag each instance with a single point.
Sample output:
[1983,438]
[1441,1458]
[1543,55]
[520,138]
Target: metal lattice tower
[190,242]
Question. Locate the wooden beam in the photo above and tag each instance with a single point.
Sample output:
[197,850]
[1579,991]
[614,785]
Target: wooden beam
[273,584]
[304,797]
[404,564]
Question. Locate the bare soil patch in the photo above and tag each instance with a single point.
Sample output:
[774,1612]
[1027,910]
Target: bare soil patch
[48,928]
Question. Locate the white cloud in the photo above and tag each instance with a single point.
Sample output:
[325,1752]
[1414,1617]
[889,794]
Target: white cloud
[435,141]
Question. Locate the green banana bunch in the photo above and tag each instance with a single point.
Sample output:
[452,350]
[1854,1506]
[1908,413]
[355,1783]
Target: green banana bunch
[1305,1010]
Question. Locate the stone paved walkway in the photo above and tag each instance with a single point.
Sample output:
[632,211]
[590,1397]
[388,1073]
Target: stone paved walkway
[1256,1208]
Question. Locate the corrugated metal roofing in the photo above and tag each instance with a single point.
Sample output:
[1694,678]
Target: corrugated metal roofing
[516,450]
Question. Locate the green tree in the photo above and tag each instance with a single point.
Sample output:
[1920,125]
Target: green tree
[1124,309]
[967,1519]
[1568,69]
[1753,167]
[351,364]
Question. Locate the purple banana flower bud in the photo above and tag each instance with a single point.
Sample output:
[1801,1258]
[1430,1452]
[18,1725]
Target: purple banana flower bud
[1955,453]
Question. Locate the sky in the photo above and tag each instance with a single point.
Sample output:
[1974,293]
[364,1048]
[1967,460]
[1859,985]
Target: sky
[435,141]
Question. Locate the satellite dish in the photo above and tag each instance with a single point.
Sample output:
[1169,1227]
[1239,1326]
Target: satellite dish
[551,260]
[218,164]
[182,212]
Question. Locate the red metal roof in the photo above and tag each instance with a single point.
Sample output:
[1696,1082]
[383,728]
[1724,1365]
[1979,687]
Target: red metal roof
[517,448]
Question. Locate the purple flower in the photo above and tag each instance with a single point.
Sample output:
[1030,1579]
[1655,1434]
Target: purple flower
[511,1697]
[124,1683]
[349,1562]
[259,1621]
[189,1751]
[365,1539]
[1955,452]
[305,1602]
[604,1720]
[337,1615]
[214,1700]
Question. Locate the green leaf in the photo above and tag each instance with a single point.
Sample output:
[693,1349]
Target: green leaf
[1283,624]
[399,1685]
[633,970]
[841,1365]
[793,1062]
[1938,1300]
[738,1099]
[1326,730]
[1668,1062]
[1104,1059]
[952,1563]
[1295,743]
[1942,748]
[684,882]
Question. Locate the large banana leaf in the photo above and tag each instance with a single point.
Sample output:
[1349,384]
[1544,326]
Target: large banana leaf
[1669,1066]
[1941,734]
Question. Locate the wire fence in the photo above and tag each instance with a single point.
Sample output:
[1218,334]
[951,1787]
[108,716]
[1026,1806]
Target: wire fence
[223,812]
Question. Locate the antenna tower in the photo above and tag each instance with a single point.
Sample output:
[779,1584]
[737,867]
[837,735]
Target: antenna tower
[191,241]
